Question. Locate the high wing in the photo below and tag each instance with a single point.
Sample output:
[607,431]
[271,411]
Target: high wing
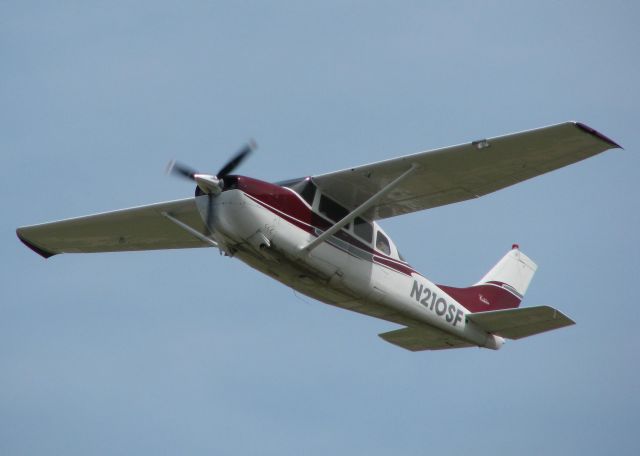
[463,172]
[139,228]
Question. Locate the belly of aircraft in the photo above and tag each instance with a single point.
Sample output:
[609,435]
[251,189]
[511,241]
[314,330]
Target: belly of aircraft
[266,242]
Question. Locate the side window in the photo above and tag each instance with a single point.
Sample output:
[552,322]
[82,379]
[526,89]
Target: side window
[363,229]
[332,209]
[382,243]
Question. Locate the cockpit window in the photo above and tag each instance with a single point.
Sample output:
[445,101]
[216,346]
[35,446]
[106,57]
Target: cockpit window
[363,229]
[304,188]
[308,192]
[382,243]
[229,183]
[332,209]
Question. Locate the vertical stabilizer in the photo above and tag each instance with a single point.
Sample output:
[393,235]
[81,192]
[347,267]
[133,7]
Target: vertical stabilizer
[503,287]
[515,269]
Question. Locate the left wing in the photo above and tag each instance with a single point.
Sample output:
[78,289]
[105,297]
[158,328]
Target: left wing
[463,172]
[138,228]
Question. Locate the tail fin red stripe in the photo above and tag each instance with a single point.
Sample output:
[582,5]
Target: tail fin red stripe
[483,298]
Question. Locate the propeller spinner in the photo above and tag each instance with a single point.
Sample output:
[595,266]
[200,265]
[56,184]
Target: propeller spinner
[211,184]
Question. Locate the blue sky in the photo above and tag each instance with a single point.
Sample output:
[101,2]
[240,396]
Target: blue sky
[187,352]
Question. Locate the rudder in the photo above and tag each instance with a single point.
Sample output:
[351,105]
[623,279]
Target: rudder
[503,287]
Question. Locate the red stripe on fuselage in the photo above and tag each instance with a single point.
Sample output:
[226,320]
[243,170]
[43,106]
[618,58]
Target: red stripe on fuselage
[390,263]
[287,204]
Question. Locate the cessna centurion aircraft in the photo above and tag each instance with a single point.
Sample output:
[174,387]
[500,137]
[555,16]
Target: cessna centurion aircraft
[319,234]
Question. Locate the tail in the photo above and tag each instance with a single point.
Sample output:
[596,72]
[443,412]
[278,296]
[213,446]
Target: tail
[503,287]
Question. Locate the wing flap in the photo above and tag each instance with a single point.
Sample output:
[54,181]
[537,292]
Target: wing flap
[463,172]
[521,322]
[421,338]
[138,228]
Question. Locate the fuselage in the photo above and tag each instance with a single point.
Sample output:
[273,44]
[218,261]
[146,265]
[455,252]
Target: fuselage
[360,269]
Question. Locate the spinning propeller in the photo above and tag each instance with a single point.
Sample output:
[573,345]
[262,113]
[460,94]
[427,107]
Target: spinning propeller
[211,184]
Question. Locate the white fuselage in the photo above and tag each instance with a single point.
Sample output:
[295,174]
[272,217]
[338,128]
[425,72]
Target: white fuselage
[335,272]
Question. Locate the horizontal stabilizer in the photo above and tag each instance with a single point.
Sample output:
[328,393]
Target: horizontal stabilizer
[420,338]
[519,323]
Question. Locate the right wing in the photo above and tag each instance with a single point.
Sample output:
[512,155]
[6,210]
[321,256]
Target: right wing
[522,322]
[138,228]
[462,172]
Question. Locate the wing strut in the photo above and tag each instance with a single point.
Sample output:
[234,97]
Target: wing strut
[357,211]
[190,230]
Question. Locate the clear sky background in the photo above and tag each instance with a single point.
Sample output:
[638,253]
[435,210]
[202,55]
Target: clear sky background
[187,352]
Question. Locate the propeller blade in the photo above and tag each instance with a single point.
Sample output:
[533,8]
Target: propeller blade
[239,157]
[180,169]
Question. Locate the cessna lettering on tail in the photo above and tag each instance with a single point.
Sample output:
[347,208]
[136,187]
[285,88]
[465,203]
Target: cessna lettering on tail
[436,303]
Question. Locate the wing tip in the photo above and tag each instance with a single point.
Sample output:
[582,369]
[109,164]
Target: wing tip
[587,129]
[40,251]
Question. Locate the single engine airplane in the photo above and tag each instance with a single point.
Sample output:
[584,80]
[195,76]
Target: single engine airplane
[319,234]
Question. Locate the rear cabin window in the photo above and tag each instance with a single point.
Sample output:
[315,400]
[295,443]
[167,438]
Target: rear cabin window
[382,243]
[331,209]
[363,229]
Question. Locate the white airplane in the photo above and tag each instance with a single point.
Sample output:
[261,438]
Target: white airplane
[319,234]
